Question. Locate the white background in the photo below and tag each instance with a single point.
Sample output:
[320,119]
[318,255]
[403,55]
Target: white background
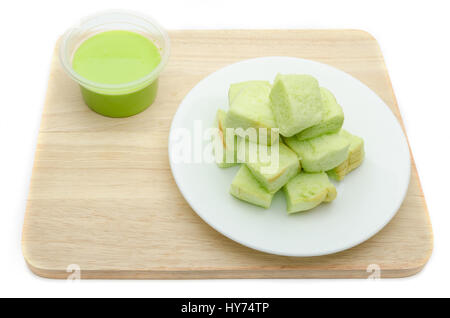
[413,35]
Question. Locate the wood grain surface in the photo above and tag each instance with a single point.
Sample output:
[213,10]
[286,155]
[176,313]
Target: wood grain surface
[102,195]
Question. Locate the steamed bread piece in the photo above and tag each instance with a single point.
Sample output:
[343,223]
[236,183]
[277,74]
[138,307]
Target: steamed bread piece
[250,108]
[321,153]
[237,149]
[273,179]
[236,88]
[245,187]
[307,190]
[296,103]
[354,159]
[332,120]
[246,150]
[229,150]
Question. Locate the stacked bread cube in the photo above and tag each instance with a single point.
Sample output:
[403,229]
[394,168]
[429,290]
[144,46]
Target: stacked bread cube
[312,147]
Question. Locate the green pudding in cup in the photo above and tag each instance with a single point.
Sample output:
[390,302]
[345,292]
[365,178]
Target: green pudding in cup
[116,57]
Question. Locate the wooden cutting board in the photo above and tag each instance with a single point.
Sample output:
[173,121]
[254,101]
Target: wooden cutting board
[102,195]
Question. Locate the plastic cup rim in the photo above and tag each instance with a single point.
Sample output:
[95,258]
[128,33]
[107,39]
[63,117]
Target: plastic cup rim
[122,87]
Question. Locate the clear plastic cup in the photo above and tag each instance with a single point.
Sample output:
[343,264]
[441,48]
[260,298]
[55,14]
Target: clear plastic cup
[116,100]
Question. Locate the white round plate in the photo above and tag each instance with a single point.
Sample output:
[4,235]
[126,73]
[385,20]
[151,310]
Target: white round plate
[367,198]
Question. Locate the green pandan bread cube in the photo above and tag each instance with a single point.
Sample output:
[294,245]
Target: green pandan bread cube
[307,190]
[321,153]
[354,159]
[250,108]
[332,120]
[246,151]
[275,172]
[296,103]
[245,187]
[228,158]
[236,88]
